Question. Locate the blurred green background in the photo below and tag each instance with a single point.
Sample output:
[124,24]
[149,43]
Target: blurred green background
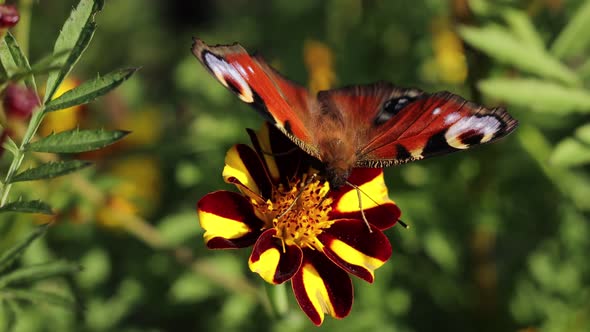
[499,236]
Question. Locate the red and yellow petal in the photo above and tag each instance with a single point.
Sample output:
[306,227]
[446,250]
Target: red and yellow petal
[271,261]
[322,287]
[378,208]
[350,244]
[244,168]
[229,220]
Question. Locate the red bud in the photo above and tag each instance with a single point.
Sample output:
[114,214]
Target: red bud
[19,101]
[8,16]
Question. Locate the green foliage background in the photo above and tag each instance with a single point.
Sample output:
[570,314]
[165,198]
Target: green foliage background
[499,235]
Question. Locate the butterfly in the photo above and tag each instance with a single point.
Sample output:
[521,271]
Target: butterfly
[372,125]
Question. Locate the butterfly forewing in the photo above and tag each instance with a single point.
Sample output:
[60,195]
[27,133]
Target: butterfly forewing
[280,101]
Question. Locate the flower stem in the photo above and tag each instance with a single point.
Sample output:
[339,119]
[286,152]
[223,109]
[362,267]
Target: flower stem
[24,25]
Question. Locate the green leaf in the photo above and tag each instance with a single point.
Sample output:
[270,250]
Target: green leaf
[73,141]
[500,44]
[521,25]
[6,58]
[537,95]
[20,60]
[50,170]
[9,315]
[27,207]
[39,297]
[570,152]
[75,36]
[12,254]
[583,133]
[574,38]
[33,273]
[90,90]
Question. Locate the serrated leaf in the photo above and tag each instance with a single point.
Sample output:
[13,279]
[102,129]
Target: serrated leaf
[8,62]
[73,141]
[500,44]
[12,254]
[521,25]
[33,273]
[35,206]
[90,90]
[537,95]
[20,60]
[570,152]
[40,297]
[574,38]
[75,36]
[50,170]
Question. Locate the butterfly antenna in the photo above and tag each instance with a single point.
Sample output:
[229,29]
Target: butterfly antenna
[359,191]
[280,154]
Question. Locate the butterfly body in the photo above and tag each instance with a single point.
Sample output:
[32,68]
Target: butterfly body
[372,125]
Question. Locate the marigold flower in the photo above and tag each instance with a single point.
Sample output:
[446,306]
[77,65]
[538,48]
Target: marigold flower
[300,229]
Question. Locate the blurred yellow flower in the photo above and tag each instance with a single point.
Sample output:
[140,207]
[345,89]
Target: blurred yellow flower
[114,212]
[145,127]
[320,65]
[140,182]
[449,54]
[65,119]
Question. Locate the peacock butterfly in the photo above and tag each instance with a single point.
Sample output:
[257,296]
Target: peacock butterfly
[373,125]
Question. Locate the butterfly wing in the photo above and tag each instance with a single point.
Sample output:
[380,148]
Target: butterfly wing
[393,125]
[287,105]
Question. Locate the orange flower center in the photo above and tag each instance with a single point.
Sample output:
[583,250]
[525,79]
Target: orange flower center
[299,211]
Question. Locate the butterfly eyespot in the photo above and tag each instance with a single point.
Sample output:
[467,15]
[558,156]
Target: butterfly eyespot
[472,130]
[392,107]
[229,75]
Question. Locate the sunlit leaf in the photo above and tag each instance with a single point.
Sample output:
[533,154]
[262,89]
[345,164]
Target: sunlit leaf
[20,60]
[27,207]
[75,36]
[6,58]
[521,25]
[570,152]
[90,90]
[73,141]
[583,133]
[574,38]
[537,95]
[500,44]
[12,254]
[33,273]
[50,170]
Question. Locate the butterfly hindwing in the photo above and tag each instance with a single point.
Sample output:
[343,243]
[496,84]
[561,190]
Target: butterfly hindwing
[279,100]
[396,125]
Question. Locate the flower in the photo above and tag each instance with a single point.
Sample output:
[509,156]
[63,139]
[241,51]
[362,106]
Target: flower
[19,101]
[8,16]
[301,230]
[65,119]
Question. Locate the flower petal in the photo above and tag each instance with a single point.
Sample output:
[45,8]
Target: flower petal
[228,219]
[271,262]
[243,165]
[321,287]
[349,244]
[379,209]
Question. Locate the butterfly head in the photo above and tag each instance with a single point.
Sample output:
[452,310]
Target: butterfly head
[337,177]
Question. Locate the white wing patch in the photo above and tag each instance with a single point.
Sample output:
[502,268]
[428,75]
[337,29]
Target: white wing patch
[234,73]
[473,126]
